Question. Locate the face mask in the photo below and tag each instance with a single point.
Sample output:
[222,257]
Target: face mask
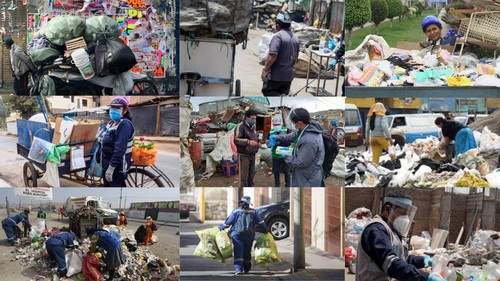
[277,129]
[251,122]
[296,126]
[115,114]
[402,224]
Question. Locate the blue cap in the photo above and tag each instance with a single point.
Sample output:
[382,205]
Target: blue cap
[246,199]
[428,20]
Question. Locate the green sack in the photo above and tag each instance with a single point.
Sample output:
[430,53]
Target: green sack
[207,248]
[55,153]
[63,28]
[225,244]
[101,27]
[265,250]
[38,56]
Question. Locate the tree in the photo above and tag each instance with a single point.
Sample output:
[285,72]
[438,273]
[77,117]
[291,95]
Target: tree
[379,12]
[357,13]
[395,8]
[26,106]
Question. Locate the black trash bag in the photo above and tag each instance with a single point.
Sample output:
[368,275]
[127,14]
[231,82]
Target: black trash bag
[400,60]
[140,234]
[350,178]
[391,165]
[448,167]
[433,164]
[385,180]
[112,56]
[351,165]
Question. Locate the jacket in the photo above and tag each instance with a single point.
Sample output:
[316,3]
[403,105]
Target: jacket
[20,61]
[105,240]
[235,214]
[242,134]
[63,239]
[116,145]
[309,153]
[383,256]
[15,219]
[381,127]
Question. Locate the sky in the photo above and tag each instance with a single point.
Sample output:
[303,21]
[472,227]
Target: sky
[111,195]
[312,104]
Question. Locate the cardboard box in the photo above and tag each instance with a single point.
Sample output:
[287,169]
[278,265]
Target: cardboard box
[85,132]
[62,130]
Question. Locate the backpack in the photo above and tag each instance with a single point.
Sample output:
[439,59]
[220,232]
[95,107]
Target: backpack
[331,151]
[244,224]
[154,227]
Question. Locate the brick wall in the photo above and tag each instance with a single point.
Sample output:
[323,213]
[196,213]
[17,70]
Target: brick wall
[333,221]
[307,216]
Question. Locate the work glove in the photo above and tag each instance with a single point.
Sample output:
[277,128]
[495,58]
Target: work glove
[427,261]
[263,76]
[332,64]
[109,173]
[221,227]
[272,141]
[435,277]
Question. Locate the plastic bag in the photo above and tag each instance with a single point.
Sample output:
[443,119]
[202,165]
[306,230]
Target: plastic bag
[90,267]
[39,150]
[101,27]
[225,244]
[63,28]
[430,60]
[39,56]
[493,178]
[458,81]
[95,168]
[207,248]
[74,261]
[265,250]
[112,56]
[144,157]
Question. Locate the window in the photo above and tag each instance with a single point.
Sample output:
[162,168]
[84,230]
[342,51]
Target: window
[84,102]
[352,118]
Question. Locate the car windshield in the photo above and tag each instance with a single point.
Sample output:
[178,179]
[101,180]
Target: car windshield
[103,205]
[352,118]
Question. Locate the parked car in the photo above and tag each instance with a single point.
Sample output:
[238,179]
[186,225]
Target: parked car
[353,126]
[185,208]
[277,218]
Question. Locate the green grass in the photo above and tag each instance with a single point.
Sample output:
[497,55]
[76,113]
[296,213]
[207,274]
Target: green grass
[407,30]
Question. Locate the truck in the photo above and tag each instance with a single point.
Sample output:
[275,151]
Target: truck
[73,203]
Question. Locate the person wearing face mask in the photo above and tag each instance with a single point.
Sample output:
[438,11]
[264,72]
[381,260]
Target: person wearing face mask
[382,252]
[246,140]
[279,163]
[308,150]
[116,144]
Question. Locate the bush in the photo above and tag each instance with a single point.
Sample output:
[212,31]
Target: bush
[357,13]
[457,6]
[379,11]
[395,8]
[420,8]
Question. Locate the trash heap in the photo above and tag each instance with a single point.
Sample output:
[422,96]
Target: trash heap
[140,263]
[373,63]
[422,164]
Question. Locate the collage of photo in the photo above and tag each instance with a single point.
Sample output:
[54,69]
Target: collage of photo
[353,140]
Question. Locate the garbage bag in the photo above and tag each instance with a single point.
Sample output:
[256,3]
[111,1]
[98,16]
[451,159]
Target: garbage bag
[458,81]
[90,267]
[63,28]
[493,178]
[146,157]
[74,261]
[55,153]
[112,56]
[207,248]
[433,164]
[265,250]
[39,56]
[225,244]
[140,234]
[100,27]
[448,168]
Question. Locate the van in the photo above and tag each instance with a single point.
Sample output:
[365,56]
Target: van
[469,118]
[414,126]
[353,126]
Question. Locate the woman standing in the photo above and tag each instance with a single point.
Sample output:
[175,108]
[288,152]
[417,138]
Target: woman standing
[454,131]
[116,144]
[377,131]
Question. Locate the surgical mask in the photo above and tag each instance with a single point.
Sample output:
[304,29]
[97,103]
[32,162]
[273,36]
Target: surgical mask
[402,225]
[251,122]
[277,129]
[296,126]
[115,114]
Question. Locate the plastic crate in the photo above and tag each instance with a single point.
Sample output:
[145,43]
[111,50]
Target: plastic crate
[229,167]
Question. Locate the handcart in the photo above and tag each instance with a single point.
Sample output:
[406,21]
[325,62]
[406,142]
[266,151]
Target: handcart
[139,175]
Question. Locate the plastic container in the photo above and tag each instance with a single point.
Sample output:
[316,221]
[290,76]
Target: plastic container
[39,150]
[285,151]
[322,45]
[229,167]
[82,61]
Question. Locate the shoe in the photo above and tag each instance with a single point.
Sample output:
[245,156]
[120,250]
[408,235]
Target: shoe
[246,271]
[238,273]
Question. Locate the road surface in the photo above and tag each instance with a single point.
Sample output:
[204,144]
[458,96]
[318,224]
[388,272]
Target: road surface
[11,167]
[166,248]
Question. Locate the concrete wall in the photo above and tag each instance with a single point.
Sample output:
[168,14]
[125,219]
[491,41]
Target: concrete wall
[162,216]
[334,221]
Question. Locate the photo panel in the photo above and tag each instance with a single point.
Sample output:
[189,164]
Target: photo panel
[304,231]
[136,233]
[220,148]
[70,141]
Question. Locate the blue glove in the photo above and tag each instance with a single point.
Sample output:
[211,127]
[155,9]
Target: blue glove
[221,227]
[109,173]
[435,277]
[427,261]
[272,141]
[332,64]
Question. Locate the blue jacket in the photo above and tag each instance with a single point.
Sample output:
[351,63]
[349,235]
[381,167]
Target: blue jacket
[64,239]
[235,214]
[377,244]
[116,145]
[107,241]
[15,219]
[307,163]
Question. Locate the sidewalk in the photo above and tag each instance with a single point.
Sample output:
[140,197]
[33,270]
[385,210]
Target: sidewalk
[320,265]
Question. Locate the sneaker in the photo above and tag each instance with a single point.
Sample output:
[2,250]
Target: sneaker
[246,271]
[238,273]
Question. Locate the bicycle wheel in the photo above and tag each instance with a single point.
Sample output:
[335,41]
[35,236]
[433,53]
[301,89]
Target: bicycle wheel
[138,177]
[144,87]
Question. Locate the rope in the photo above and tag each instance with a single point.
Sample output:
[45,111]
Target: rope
[191,39]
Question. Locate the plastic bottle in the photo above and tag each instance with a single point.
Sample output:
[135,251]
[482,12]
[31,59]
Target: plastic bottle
[322,44]
[285,151]
[82,61]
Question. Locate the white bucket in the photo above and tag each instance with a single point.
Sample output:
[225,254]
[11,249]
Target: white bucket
[82,61]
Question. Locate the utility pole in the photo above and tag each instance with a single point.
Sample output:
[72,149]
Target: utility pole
[299,255]
[125,203]
[7,206]
[121,191]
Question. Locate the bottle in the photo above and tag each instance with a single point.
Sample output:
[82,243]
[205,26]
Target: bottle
[322,44]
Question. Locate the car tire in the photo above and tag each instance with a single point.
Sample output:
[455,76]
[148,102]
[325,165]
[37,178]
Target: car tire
[279,228]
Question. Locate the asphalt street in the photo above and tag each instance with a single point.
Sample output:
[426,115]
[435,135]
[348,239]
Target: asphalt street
[11,167]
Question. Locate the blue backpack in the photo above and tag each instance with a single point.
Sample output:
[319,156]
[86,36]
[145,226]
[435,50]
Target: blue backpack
[244,224]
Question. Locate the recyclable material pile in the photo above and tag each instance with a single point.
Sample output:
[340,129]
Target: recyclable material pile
[373,63]
[422,164]
[140,263]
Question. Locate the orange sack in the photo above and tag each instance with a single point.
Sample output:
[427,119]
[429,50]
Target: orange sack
[144,157]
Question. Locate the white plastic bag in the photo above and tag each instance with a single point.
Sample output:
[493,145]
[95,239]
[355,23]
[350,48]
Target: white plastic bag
[430,60]
[493,178]
[74,261]
[51,175]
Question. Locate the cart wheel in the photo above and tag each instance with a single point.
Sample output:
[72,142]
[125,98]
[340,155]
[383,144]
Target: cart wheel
[237,88]
[138,177]
[144,87]
[30,175]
